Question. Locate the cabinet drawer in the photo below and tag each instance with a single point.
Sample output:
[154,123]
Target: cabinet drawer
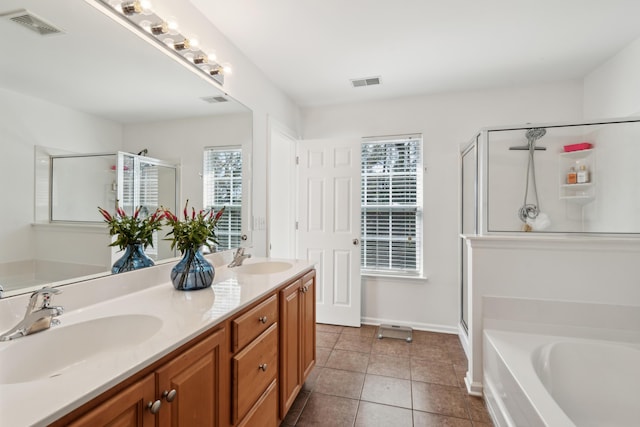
[265,412]
[254,368]
[254,322]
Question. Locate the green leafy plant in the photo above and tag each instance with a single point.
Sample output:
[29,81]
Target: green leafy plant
[196,229]
[134,229]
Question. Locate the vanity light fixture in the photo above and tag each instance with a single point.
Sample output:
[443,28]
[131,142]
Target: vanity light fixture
[165,32]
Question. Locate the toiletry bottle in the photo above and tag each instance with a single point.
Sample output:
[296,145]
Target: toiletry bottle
[583,175]
[572,177]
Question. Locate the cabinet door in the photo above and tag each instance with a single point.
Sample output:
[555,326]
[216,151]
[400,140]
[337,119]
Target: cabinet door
[308,323]
[126,409]
[290,345]
[190,385]
[265,411]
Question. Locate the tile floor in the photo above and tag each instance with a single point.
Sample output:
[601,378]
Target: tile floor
[362,381]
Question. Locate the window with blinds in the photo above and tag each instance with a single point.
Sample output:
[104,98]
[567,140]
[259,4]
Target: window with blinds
[222,182]
[391,214]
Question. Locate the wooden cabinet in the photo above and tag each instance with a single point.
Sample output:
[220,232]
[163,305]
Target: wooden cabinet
[246,373]
[187,390]
[190,385]
[129,408]
[297,337]
[308,319]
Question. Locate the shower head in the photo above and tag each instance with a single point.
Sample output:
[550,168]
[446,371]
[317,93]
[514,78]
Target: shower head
[534,134]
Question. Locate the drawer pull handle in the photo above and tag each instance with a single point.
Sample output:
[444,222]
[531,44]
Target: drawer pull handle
[263,367]
[154,407]
[170,395]
[263,319]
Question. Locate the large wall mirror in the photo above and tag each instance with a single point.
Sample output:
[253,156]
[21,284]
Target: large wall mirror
[95,87]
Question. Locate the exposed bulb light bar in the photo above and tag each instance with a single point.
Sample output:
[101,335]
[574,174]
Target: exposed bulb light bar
[165,32]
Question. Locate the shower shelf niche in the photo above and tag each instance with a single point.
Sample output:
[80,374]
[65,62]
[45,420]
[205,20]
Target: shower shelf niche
[577,193]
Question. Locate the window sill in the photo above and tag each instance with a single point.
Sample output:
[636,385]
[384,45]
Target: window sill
[378,275]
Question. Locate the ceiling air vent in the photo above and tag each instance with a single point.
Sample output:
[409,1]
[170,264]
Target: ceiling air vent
[32,22]
[214,99]
[369,81]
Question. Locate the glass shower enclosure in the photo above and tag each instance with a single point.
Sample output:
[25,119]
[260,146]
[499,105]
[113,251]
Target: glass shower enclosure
[570,179]
[81,183]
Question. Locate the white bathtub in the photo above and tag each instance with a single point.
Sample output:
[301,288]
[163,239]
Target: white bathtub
[32,273]
[553,381]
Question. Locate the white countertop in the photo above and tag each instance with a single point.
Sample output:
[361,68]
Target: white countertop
[184,316]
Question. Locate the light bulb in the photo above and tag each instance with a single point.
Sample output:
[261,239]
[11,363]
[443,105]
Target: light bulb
[172,24]
[212,56]
[227,69]
[194,42]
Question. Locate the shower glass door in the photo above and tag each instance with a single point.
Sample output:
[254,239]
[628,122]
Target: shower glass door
[149,184]
[469,220]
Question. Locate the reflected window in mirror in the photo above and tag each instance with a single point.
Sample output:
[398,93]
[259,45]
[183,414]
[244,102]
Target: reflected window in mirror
[222,185]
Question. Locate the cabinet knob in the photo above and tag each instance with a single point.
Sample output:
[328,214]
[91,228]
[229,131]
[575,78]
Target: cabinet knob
[263,319]
[304,289]
[170,395]
[263,367]
[154,407]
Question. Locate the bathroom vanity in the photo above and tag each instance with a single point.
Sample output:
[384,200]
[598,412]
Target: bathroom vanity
[236,354]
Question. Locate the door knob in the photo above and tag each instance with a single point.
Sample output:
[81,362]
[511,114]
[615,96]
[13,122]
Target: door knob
[356,242]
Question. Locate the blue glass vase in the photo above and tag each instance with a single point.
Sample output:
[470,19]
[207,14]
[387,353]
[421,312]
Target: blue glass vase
[133,259]
[192,272]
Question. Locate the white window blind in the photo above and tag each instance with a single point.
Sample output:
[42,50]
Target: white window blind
[391,214]
[222,182]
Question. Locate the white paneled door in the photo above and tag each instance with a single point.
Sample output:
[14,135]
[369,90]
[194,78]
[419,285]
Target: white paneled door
[329,225]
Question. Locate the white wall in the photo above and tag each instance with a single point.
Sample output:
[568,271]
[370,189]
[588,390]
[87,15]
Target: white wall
[612,89]
[26,122]
[445,121]
[251,87]
[183,141]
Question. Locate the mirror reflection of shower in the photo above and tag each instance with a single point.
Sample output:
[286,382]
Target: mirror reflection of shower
[530,213]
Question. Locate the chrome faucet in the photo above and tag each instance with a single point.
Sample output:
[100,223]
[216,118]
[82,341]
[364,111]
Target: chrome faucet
[238,258]
[39,315]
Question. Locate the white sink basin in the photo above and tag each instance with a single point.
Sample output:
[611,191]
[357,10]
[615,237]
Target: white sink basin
[52,352]
[265,267]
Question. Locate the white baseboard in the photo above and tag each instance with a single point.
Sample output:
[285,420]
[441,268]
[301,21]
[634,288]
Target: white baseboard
[415,325]
[473,388]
